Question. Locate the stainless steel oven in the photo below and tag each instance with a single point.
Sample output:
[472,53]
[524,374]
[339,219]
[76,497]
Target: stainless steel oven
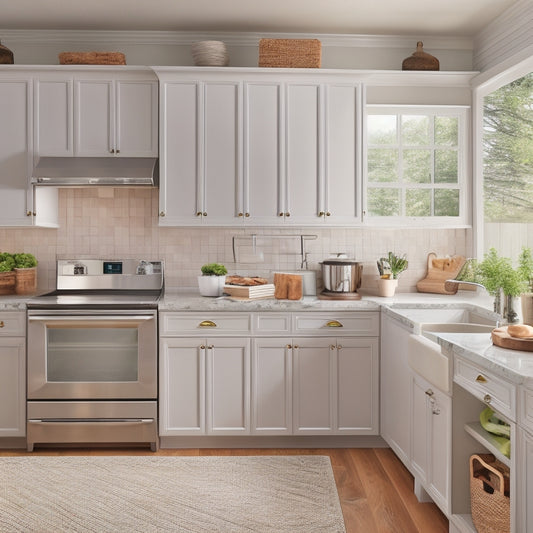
[93,354]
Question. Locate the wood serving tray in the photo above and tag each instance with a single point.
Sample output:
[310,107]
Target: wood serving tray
[501,338]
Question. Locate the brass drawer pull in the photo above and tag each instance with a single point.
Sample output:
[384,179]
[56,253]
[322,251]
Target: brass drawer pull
[429,392]
[334,324]
[2,324]
[481,379]
[207,324]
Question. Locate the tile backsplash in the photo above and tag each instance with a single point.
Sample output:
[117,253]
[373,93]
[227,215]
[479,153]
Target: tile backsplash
[123,223]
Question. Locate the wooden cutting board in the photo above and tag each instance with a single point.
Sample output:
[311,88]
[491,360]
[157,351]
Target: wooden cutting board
[439,270]
[501,338]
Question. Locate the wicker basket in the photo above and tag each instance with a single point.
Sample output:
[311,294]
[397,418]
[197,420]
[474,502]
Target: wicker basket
[290,53]
[489,494]
[7,282]
[92,58]
[25,280]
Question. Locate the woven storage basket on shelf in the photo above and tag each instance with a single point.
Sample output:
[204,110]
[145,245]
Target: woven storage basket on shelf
[489,494]
[92,58]
[7,282]
[25,280]
[290,53]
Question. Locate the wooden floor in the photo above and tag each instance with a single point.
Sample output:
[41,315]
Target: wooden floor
[375,489]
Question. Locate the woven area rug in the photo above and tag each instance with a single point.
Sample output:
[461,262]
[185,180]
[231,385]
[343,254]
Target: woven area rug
[176,494]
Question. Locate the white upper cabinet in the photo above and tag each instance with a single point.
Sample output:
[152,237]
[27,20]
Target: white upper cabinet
[16,201]
[95,114]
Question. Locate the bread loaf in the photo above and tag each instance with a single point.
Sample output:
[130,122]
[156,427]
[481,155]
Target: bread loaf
[281,283]
[520,331]
[294,287]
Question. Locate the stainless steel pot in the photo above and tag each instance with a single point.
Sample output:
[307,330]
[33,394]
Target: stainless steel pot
[341,275]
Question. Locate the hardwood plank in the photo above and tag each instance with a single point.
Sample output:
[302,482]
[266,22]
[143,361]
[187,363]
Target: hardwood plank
[426,516]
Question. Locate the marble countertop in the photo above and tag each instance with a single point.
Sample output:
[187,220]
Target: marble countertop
[14,302]
[513,365]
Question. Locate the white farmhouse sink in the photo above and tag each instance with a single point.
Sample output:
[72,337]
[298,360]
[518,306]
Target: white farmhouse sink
[425,356]
[445,315]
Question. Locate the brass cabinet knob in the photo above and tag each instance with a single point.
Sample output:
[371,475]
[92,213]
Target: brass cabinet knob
[2,324]
[321,214]
[117,152]
[34,214]
[112,151]
[288,346]
[287,214]
[429,393]
[334,324]
[295,346]
[207,324]
[28,213]
[204,214]
[332,347]
[339,347]
[246,215]
[198,213]
[211,346]
[240,215]
[280,215]
[162,213]
[202,346]
[328,214]
[487,398]
[481,379]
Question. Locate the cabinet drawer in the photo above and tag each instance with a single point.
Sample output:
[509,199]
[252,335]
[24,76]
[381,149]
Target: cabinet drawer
[526,411]
[337,324]
[493,390]
[204,324]
[272,323]
[12,324]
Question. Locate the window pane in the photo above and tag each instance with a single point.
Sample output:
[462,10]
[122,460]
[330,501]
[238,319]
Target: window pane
[383,202]
[418,202]
[415,129]
[447,202]
[446,166]
[446,131]
[417,166]
[382,165]
[381,129]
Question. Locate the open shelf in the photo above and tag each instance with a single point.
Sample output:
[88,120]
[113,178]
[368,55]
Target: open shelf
[485,438]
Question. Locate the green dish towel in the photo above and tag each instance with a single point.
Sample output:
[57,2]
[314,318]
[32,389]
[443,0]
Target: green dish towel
[500,430]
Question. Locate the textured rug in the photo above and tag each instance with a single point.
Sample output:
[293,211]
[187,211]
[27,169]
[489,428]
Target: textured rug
[146,494]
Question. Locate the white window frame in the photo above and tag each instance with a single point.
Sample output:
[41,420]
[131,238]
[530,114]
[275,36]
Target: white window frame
[464,167]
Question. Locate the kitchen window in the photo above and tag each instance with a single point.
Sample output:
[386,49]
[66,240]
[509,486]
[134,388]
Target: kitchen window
[415,165]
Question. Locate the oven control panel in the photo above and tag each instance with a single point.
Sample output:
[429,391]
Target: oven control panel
[112,267]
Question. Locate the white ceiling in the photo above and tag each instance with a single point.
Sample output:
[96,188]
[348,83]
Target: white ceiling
[397,17]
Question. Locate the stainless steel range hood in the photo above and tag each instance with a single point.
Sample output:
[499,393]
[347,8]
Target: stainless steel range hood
[96,171]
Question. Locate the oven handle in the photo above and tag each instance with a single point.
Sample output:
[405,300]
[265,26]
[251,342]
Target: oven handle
[90,318]
[90,420]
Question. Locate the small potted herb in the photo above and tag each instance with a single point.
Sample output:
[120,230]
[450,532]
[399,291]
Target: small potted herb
[7,273]
[389,269]
[25,273]
[212,280]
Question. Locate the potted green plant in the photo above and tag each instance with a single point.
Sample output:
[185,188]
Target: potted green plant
[7,273]
[25,273]
[212,280]
[525,269]
[389,269]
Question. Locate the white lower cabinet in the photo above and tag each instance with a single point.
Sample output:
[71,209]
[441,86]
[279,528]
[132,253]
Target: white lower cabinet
[12,375]
[431,440]
[204,386]
[243,383]
[525,481]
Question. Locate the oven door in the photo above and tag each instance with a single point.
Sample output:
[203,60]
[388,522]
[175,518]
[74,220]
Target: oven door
[92,355]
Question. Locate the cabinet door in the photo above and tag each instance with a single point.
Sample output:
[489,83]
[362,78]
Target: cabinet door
[271,386]
[179,156]
[53,112]
[182,386]
[15,153]
[228,386]
[357,386]
[340,197]
[524,461]
[303,159]
[12,386]
[262,179]
[136,118]
[314,385]
[395,388]
[220,147]
[94,118]
[420,440]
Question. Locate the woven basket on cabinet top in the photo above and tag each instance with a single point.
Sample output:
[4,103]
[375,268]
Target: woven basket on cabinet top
[92,58]
[290,53]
